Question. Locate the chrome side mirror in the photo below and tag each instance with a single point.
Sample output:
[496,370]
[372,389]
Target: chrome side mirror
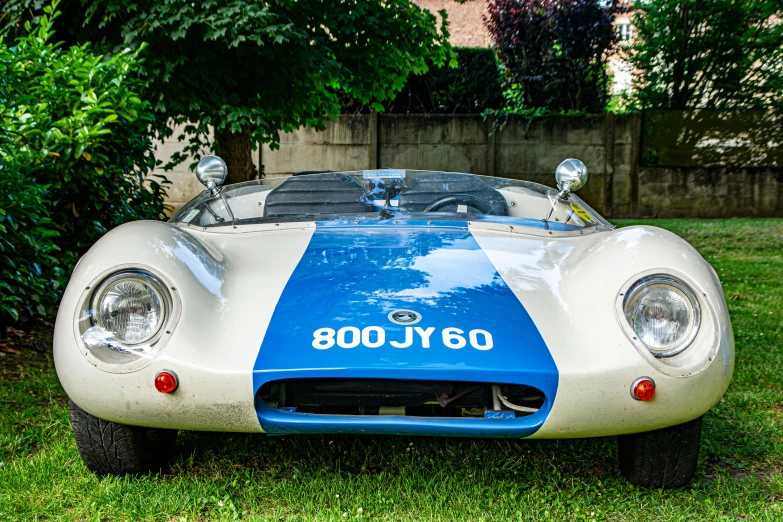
[212,172]
[571,175]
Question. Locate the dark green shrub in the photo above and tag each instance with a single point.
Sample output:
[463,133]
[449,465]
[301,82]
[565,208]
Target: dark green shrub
[470,88]
[76,158]
[31,275]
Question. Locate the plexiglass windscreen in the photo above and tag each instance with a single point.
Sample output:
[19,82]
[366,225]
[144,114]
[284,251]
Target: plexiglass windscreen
[388,194]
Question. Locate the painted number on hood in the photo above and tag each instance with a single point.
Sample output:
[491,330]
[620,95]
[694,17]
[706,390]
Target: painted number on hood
[375,337]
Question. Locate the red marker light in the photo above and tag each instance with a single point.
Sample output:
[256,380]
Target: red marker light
[166,381]
[643,389]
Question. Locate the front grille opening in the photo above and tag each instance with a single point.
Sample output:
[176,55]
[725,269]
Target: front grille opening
[399,397]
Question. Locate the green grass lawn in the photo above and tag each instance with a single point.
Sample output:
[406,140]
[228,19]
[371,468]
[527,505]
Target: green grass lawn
[217,476]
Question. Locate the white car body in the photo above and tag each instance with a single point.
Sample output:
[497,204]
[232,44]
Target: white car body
[227,282]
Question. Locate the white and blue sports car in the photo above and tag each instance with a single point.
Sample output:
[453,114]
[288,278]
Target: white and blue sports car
[393,302]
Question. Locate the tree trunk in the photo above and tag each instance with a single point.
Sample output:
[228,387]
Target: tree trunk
[236,151]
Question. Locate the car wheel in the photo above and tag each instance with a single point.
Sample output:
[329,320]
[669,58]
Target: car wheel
[663,458]
[108,448]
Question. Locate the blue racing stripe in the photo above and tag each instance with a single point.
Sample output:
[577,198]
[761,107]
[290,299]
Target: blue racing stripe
[334,319]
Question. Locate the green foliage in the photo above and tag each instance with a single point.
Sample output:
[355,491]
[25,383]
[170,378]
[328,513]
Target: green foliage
[31,276]
[719,54]
[471,87]
[75,161]
[273,65]
[515,106]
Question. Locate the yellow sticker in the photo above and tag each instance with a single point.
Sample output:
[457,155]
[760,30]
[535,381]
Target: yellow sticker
[582,213]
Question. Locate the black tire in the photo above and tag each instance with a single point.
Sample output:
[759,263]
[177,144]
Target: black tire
[108,448]
[665,458]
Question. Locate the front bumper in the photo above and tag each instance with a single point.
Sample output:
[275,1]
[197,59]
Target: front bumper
[586,405]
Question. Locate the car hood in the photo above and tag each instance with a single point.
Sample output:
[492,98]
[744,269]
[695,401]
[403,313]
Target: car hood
[407,301]
[267,289]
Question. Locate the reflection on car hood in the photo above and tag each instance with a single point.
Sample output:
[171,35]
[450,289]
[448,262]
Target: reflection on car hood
[414,299]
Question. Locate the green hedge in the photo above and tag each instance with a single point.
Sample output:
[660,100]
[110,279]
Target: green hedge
[75,160]
[470,88]
[31,276]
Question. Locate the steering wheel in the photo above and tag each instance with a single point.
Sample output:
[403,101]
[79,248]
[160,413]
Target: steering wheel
[461,199]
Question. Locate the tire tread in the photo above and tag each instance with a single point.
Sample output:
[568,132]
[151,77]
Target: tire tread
[665,458]
[109,448]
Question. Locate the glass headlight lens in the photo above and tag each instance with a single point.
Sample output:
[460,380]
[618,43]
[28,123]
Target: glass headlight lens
[664,313]
[130,307]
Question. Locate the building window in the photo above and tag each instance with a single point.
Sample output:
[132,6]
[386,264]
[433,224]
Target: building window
[626,31]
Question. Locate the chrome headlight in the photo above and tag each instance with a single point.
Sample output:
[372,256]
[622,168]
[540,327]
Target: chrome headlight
[664,314]
[124,319]
[129,307]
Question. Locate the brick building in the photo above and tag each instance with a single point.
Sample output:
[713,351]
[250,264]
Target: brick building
[465,21]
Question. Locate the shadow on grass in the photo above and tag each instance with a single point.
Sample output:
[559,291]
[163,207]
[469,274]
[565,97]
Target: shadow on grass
[353,455]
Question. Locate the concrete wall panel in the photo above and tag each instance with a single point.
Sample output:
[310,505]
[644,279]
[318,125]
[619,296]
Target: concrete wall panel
[428,156]
[456,129]
[291,158]
[608,144]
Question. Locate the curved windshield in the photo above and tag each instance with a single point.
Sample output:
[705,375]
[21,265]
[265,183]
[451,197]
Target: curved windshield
[386,194]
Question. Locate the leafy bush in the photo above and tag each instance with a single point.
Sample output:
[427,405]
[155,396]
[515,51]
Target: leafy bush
[554,52]
[75,161]
[721,54]
[31,276]
[470,88]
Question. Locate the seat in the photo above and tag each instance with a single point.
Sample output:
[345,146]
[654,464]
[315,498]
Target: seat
[437,185]
[327,193]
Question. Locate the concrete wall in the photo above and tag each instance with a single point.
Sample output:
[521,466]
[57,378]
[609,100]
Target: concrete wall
[608,144]
[343,145]
[710,192]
